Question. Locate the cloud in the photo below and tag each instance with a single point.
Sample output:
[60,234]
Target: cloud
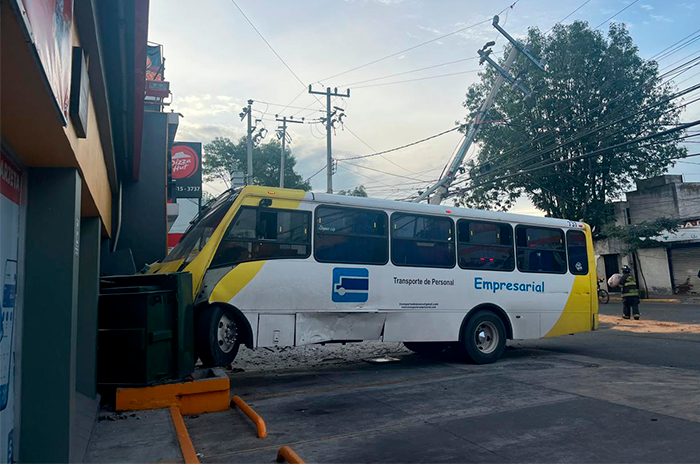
[646,7]
[413,36]
[223,98]
[480,33]
[660,18]
[402,57]
[689,6]
[429,29]
[207,132]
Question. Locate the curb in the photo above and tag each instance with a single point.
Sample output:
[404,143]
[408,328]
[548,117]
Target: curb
[650,300]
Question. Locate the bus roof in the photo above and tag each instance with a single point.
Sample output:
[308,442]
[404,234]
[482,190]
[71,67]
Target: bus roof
[346,200]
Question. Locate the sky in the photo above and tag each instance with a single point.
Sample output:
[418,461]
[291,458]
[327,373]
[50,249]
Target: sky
[215,62]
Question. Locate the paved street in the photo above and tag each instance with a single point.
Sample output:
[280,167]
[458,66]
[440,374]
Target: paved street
[617,395]
[673,341]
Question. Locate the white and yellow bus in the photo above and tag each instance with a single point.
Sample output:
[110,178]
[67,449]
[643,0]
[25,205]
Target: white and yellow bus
[281,267]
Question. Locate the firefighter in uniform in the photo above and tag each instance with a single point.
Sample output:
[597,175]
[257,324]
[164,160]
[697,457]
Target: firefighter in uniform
[630,294]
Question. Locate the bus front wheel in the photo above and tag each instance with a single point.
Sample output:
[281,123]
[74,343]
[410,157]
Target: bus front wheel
[484,338]
[217,337]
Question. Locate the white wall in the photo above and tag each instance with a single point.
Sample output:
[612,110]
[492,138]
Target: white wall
[654,269]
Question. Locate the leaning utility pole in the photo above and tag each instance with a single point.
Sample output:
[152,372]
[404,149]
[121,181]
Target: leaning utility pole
[329,127]
[441,187]
[282,133]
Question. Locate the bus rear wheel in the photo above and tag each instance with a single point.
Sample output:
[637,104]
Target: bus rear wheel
[216,338]
[484,338]
[426,348]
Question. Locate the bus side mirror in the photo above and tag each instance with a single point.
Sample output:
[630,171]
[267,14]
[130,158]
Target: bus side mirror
[265,202]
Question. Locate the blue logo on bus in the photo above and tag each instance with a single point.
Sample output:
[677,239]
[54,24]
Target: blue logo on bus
[350,285]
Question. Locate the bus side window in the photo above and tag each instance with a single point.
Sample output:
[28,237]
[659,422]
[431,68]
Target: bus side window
[540,249]
[265,233]
[485,245]
[578,256]
[351,236]
[422,241]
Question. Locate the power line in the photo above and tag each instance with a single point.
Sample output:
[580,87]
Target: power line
[315,173]
[677,48]
[418,45]
[278,104]
[363,175]
[674,44]
[585,155]
[613,16]
[268,43]
[533,155]
[400,147]
[471,71]
[567,16]
[548,135]
[412,71]
[381,155]
[384,172]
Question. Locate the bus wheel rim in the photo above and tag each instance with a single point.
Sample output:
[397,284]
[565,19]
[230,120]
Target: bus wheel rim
[226,333]
[486,337]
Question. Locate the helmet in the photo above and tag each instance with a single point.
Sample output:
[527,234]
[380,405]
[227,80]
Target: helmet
[626,270]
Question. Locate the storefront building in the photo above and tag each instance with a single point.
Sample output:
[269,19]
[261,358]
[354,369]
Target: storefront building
[72,87]
[673,266]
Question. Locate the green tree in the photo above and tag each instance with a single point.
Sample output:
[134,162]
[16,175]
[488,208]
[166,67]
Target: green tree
[358,191]
[222,157]
[589,81]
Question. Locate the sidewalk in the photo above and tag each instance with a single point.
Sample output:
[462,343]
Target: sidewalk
[141,436]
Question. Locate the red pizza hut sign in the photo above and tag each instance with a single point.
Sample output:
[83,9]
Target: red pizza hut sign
[186,169]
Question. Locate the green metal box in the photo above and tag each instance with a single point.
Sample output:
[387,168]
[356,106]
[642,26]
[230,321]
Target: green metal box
[145,329]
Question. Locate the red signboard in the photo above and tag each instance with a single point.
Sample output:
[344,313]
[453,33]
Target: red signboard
[9,180]
[186,169]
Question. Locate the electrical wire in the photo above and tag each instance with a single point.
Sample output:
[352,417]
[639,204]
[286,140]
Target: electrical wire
[384,172]
[583,156]
[381,155]
[613,16]
[268,43]
[550,135]
[674,44]
[410,72]
[567,16]
[418,45]
[316,173]
[471,71]
[400,147]
[524,157]
[363,175]
[278,104]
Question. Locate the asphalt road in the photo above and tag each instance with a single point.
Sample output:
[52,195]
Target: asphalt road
[629,392]
[674,346]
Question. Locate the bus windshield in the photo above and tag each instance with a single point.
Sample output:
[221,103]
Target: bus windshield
[202,228]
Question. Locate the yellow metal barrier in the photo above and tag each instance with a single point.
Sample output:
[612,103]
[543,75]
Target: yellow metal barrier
[287,454]
[183,437]
[252,415]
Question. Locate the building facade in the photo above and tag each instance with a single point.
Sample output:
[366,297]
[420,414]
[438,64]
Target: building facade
[73,180]
[673,266]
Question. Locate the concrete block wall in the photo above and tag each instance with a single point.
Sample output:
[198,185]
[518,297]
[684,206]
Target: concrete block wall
[655,270]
